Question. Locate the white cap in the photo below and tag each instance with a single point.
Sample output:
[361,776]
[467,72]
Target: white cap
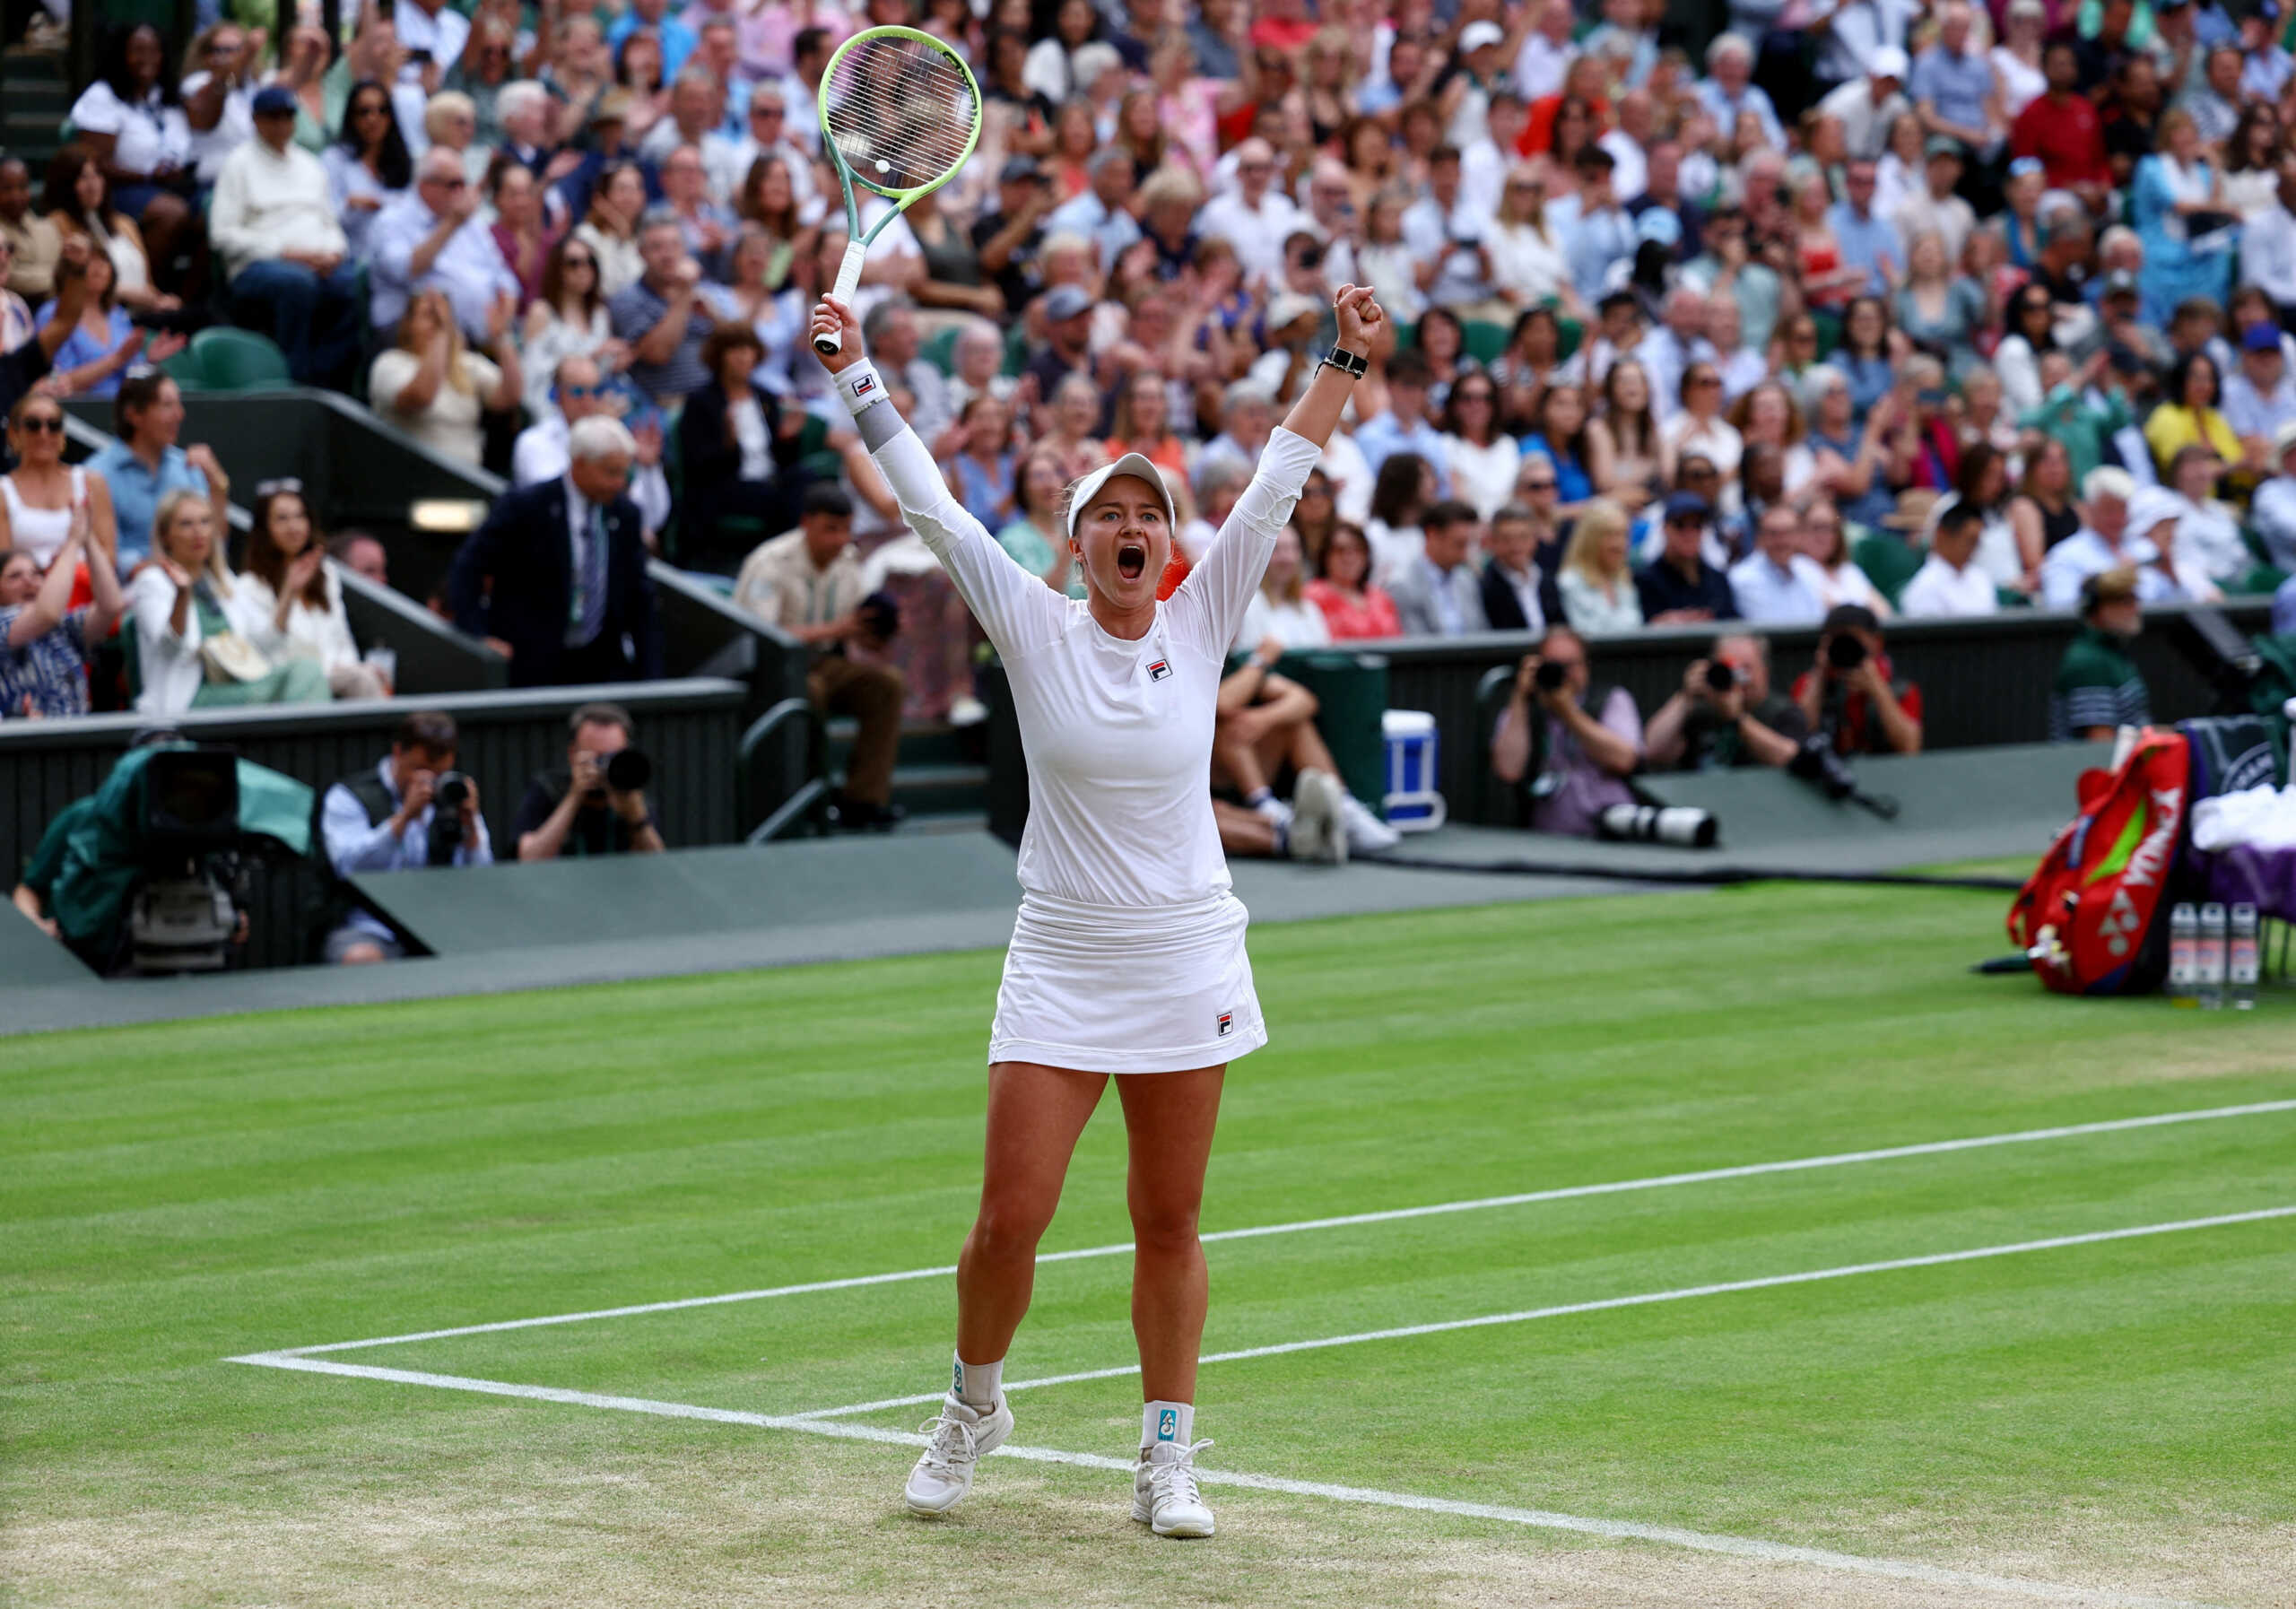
[2151,506]
[1476,35]
[1889,62]
[1131,464]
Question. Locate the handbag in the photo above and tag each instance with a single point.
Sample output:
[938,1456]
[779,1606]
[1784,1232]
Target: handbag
[229,657]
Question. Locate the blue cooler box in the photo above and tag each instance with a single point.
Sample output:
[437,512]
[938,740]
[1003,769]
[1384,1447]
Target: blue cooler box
[1413,805]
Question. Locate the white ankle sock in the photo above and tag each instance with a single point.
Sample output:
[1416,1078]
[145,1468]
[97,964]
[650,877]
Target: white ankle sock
[1168,1422]
[976,1385]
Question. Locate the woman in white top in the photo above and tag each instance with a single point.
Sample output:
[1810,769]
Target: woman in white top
[1279,609]
[1528,267]
[1129,954]
[2017,59]
[1698,426]
[188,652]
[611,228]
[433,388]
[37,499]
[132,122]
[1596,582]
[1481,458]
[78,199]
[567,318]
[1827,542]
[287,601]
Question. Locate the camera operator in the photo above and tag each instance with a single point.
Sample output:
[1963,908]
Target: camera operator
[1724,714]
[415,809]
[597,804]
[1851,694]
[1567,745]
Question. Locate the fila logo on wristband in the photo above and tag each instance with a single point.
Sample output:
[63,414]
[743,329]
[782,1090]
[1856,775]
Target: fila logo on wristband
[865,384]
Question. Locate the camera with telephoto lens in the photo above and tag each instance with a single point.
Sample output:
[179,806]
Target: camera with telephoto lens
[1845,651]
[628,770]
[1721,675]
[1816,762]
[448,794]
[1550,677]
[1682,825]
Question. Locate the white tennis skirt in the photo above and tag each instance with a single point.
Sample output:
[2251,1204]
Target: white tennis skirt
[1104,988]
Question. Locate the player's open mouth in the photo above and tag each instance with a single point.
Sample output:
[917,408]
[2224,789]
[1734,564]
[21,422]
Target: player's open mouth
[1131,559]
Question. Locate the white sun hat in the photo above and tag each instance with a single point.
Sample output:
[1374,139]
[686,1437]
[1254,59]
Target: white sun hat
[1131,464]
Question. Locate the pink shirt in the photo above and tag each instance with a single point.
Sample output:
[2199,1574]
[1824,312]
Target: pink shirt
[1370,614]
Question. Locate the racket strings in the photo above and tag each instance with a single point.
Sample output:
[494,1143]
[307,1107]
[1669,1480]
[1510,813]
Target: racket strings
[904,105]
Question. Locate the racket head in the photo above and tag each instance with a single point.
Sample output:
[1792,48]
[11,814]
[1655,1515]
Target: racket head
[899,111]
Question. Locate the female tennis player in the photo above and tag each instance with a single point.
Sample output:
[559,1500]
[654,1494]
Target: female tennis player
[1128,957]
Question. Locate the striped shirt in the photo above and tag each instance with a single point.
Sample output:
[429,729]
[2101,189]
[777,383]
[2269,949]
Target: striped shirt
[2098,685]
[50,670]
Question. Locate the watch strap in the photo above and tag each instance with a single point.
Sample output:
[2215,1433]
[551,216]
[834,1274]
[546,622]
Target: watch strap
[1342,359]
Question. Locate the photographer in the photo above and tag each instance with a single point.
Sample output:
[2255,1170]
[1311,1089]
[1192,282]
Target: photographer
[1851,694]
[1724,714]
[597,804]
[1571,752]
[415,809]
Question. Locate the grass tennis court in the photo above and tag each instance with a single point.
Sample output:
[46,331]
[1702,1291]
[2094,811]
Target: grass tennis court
[2117,1415]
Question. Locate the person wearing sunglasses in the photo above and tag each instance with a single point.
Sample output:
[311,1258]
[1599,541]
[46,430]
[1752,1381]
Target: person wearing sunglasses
[44,641]
[42,497]
[432,239]
[579,388]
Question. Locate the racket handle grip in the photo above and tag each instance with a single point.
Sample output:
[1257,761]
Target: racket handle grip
[848,280]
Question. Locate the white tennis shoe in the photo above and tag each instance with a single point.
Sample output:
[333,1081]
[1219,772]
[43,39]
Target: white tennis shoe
[960,1438]
[1318,831]
[1366,834]
[1164,1497]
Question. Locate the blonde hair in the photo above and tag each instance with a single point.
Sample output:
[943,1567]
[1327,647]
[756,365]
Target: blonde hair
[458,373]
[1598,522]
[163,526]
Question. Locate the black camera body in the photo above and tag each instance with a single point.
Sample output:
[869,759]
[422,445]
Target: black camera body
[1550,677]
[184,914]
[1845,651]
[1721,675]
[448,794]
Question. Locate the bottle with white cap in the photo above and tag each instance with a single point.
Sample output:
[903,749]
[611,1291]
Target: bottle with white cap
[2211,957]
[2240,962]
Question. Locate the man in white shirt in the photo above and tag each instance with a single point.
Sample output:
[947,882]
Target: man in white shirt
[1255,218]
[1547,51]
[273,220]
[2273,512]
[1667,351]
[1731,89]
[2260,395]
[1778,584]
[692,121]
[542,452]
[1630,146]
[433,236]
[2106,541]
[1950,581]
[1870,105]
[218,101]
[1098,213]
[2268,242]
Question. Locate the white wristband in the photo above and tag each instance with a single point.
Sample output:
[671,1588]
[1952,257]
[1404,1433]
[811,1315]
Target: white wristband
[861,386]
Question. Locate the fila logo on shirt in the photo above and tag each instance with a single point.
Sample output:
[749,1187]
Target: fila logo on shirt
[1157,670]
[1168,1425]
[1227,1021]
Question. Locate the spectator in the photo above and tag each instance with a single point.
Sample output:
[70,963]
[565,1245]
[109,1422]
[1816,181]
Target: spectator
[1730,90]
[1281,611]
[1481,460]
[568,319]
[1866,245]
[1528,267]
[808,582]
[1519,593]
[130,119]
[1939,310]
[2098,690]
[1438,593]
[1067,312]
[288,603]
[368,166]
[719,162]
[143,464]
[1725,715]
[362,554]
[1851,695]
[383,820]
[434,388]
[1355,607]
[273,218]
[1845,460]
[897,347]
[580,391]
[1778,584]
[1101,213]
[1865,104]
[1597,587]
[580,809]
[2062,129]
[1255,218]
[520,233]
[101,343]
[556,580]
[1950,583]
[704,225]
[2105,541]
[1564,439]
[1143,425]
[1827,542]
[1035,536]
[1403,426]
[740,450]
[41,498]
[188,656]
[2260,396]
[1681,587]
[45,643]
[2176,203]
[78,199]
[30,246]
[610,228]
[2274,511]
[1601,234]
[2207,553]
[1699,430]
[1567,747]
[433,240]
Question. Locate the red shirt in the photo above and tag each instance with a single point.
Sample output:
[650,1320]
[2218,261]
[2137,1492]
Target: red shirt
[1859,733]
[1371,615]
[2068,138]
[1538,133]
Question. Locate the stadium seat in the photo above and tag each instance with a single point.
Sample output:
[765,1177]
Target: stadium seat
[184,369]
[1485,339]
[237,360]
[941,349]
[1887,560]
[1572,332]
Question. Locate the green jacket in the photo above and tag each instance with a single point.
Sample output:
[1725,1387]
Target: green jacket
[2098,685]
[2068,415]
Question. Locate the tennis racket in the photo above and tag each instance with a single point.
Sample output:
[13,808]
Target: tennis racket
[899,113]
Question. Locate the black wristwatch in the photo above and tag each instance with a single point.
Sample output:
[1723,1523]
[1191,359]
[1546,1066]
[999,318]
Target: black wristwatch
[1347,362]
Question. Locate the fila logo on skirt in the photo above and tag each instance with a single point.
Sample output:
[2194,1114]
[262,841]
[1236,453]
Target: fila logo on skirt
[1227,1021]
[1158,671]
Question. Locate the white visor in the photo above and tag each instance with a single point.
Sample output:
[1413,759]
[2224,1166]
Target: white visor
[1131,464]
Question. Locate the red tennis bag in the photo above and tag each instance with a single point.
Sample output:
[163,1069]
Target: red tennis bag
[2093,918]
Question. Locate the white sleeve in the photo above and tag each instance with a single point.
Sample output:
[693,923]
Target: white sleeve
[1018,610]
[1208,609]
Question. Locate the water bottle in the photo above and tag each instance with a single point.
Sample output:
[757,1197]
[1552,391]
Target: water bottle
[2210,968]
[2184,955]
[2241,958]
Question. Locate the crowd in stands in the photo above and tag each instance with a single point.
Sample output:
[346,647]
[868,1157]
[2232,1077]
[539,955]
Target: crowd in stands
[1738,315]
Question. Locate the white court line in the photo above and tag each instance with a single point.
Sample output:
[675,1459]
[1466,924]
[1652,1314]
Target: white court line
[1841,1159]
[1706,1542]
[1645,1299]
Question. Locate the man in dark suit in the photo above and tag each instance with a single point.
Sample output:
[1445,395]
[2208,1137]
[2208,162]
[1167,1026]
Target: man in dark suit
[1518,595]
[556,576]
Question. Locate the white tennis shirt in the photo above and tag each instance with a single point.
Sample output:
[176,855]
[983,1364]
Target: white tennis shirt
[1117,733]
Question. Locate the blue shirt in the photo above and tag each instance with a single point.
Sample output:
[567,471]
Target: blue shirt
[1382,437]
[1592,242]
[51,670]
[1954,87]
[355,844]
[137,490]
[678,40]
[1866,243]
[469,268]
[1572,485]
[1724,111]
[80,348]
